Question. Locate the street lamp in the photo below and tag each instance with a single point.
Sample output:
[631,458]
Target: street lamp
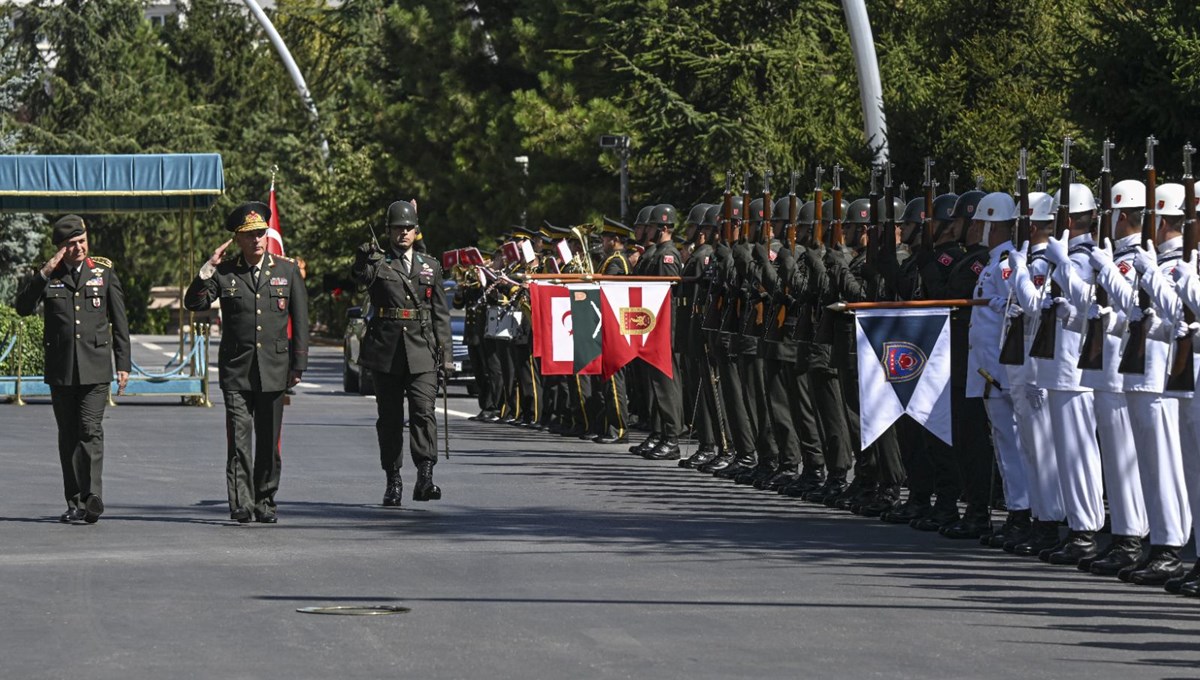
[620,144]
[523,161]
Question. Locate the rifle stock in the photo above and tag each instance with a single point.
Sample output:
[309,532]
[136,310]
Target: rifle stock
[1012,348]
[1133,361]
[1091,354]
[1182,375]
[1045,341]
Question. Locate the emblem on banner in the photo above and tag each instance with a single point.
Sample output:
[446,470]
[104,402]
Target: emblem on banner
[636,321]
[902,361]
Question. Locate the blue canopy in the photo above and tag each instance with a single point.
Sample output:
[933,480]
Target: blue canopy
[110,184]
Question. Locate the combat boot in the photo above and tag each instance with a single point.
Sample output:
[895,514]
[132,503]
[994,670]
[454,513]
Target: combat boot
[648,444]
[885,499]
[1016,526]
[974,523]
[778,479]
[1122,551]
[667,449]
[746,461]
[1164,565]
[703,455]
[1176,585]
[1079,544]
[394,489]
[833,486]
[723,460]
[425,489]
[1043,535]
[841,501]
[908,511]
[942,515]
[810,479]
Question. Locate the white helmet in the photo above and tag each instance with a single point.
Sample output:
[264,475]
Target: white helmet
[1168,200]
[1041,206]
[1128,193]
[996,207]
[1082,199]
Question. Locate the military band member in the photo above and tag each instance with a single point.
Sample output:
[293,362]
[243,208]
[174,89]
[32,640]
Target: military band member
[262,298]
[85,331]
[406,344]
[615,402]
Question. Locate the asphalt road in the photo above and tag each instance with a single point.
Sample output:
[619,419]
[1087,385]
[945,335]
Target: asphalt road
[547,558]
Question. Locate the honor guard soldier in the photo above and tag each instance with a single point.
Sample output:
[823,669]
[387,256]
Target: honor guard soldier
[85,331]
[406,344]
[263,352]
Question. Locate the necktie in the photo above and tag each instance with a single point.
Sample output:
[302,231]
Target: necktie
[254,275]
[404,263]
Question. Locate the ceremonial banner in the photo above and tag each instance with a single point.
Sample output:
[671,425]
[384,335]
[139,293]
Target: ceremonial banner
[904,367]
[586,324]
[274,230]
[636,323]
[551,308]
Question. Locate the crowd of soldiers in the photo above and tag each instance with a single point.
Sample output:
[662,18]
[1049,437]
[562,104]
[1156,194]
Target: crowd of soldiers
[767,368]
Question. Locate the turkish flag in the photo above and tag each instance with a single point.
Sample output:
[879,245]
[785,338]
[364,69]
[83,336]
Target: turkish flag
[274,231]
[637,323]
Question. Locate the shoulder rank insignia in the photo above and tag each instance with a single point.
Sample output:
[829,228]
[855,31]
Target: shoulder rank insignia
[102,261]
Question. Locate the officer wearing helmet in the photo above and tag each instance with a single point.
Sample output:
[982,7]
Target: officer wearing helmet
[406,344]
[690,340]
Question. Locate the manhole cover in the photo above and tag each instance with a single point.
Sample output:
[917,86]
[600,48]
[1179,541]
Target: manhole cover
[356,610]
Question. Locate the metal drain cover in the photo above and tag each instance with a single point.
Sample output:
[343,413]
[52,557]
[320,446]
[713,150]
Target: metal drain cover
[356,610]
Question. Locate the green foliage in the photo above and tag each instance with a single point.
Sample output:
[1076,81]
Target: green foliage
[28,348]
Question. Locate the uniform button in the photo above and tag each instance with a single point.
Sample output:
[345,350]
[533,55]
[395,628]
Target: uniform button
[258,328]
[76,321]
[76,294]
[76,336]
[259,311]
[258,344]
[258,295]
[77,308]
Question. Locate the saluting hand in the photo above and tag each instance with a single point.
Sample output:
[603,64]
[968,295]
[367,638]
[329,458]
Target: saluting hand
[219,253]
[52,263]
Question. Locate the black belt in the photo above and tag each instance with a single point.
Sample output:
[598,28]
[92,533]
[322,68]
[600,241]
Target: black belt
[401,313]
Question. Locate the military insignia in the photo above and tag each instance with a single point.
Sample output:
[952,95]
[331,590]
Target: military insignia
[1039,280]
[977,267]
[706,258]
[95,302]
[282,303]
[636,320]
[279,281]
[1005,273]
[278,291]
[668,259]
[902,361]
[56,284]
[945,260]
[771,255]
[95,281]
[1124,267]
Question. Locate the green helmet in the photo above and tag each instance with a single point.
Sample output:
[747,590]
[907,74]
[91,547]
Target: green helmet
[897,209]
[966,204]
[808,214]
[943,207]
[643,216]
[827,210]
[402,214]
[712,216]
[696,214]
[782,207]
[662,215]
[858,213]
[914,211]
[756,211]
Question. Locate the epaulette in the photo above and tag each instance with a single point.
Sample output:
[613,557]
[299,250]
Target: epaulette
[284,258]
[102,261]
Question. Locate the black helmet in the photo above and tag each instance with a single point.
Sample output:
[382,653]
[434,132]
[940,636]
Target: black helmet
[696,214]
[965,206]
[897,209]
[827,210]
[712,216]
[643,216]
[914,211]
[662,215]
[943,207]
[808,214]
[736,202]
[402,214]
[859,212]
[782,207]
[756,211]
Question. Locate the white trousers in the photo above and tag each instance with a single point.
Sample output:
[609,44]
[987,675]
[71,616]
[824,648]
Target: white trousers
[1190,411]
[1078,456]
[1036,430]
[1155,420]
[1119,456]
[1009,456]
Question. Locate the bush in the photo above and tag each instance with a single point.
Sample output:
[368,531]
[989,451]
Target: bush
[31,329]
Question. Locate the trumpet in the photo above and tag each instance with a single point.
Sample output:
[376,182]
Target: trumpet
[583,259]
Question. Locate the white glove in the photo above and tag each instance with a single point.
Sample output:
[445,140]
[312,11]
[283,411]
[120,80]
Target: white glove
[1145,259]
[1182,329]
[1184,272]
[1018,257]
[1057,251]
[1138,314]
[998,304]
[1101,256]
[1096,311]
[1014,310]
[1061,309]
[1035,396]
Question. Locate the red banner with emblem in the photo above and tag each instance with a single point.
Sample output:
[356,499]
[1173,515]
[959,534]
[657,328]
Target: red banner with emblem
[636,324]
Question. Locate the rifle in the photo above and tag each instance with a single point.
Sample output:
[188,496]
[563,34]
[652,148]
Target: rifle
[1045,341]
[715,305]
[1012,344]
[1182,376]
[773,332]
[733,312]
[930,187]
[874,213]
[803,329]
[836,237]
[1091,353]
[1043,180]
[817,237]
[953,176]
[978,182]
[1134,359]
[889,210]
[752,320]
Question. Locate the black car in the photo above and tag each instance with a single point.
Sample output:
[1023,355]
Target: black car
[357,379]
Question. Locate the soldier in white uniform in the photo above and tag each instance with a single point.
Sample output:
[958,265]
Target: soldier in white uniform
[997,213]
[1034,424]
[1188,287]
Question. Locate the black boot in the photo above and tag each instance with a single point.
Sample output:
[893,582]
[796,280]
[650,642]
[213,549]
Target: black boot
[394,490]
[746,461]
[723,460]
[810,480]
[1176,585]
[761,471]
[425,489]
[1016,527]
[1079,544]
[1043,536]
[1123,551]
[1163,566]
[942,515]
[885,499]
[703,455]
[832,487]
[667,449]
[649,443]
[908,511]
[974,523]
[779,479]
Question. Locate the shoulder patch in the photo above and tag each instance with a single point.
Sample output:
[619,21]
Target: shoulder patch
[1124,266]
[977,267]
[668,259]
[102,261]
[945,259]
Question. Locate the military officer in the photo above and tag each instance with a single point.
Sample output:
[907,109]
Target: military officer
[260,295]
[85,332]
[612,425]
[665,393]
[406,343]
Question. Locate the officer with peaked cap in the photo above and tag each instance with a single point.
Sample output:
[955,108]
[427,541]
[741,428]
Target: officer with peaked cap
[613,419]
[406,344]
[85,332]
[261,297]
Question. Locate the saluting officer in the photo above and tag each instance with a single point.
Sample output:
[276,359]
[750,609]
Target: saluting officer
[665,392]
[260,295]
[406,343]
[85,330]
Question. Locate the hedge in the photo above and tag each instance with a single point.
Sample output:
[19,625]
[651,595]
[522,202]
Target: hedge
[30,328]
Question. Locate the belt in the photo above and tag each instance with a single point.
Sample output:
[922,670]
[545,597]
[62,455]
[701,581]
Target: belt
[401,313]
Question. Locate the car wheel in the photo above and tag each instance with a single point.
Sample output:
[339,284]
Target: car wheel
[366,383]
[349,379]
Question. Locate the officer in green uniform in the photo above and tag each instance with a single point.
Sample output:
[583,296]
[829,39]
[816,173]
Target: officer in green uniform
[406,344]
[665,393]
[85,331]
[260,294]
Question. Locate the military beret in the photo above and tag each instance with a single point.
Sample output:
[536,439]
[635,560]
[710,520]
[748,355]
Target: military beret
[251,216]
[67,228]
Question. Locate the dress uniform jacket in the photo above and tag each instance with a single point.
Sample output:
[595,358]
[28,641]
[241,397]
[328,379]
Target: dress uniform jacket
[616,264]
[255,320]
[403,345]
[86,326]
[987,326]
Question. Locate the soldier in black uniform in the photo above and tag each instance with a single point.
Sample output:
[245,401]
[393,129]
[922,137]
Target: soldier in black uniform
[260,294]
[615,409]
[666,395]
[406,344]
[700,369]
[467,297]
[85,331]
